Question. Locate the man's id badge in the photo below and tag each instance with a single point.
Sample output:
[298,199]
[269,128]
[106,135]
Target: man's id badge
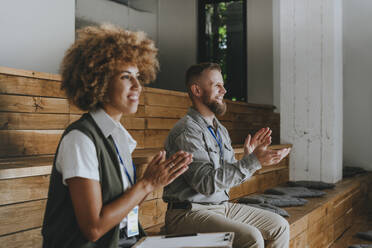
[132,224]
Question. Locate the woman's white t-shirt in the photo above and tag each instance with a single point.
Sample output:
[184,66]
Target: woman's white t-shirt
[77,155]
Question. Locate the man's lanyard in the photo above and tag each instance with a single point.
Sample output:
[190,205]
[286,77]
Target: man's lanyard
[218,139]
[125,169]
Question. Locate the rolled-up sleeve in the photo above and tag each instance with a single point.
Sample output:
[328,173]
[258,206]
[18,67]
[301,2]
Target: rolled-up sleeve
[206,175]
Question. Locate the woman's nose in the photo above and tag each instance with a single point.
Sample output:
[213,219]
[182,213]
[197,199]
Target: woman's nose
[136,84]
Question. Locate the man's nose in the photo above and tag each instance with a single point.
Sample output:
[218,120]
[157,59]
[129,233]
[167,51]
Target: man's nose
[223,90]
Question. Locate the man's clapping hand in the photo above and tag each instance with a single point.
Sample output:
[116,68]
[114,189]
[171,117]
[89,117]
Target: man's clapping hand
[261,138]
[258,145]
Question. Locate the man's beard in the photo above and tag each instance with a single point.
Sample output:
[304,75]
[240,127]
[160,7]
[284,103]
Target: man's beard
[216,107]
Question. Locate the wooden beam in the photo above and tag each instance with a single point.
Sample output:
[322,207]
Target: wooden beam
[31,121]
[166,112]
[23,189]
[21,216]
[28,73]
[155,138]
[23,239]
[133,122]
[30,86]
[160,123]
[166,100]
[28,142]
[33,104]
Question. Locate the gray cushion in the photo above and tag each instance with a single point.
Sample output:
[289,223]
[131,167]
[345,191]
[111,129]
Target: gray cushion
[275,200]
[270,208]
[365,235]
[361,246]
[312,184]
[295,192]
[349,171]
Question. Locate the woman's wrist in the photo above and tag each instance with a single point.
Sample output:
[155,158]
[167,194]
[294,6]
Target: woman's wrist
[146,186]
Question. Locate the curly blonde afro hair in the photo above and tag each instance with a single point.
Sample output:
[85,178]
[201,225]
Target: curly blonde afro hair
[91,62]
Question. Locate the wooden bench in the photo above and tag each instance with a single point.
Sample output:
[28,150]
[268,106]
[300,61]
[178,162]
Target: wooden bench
[34,113]
[323,220]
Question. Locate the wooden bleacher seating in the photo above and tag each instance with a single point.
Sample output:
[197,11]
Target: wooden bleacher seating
[34,112]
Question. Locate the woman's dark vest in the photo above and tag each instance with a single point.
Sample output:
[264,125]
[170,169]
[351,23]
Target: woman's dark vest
[60,227]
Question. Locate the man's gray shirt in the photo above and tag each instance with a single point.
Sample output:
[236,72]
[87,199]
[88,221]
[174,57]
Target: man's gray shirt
[212,173]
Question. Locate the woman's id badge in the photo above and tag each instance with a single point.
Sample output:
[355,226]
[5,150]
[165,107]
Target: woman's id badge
[132,224]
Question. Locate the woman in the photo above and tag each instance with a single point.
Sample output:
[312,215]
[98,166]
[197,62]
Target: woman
[93,194]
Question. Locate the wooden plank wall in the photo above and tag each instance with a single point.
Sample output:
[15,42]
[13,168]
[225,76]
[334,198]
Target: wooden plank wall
[33,114]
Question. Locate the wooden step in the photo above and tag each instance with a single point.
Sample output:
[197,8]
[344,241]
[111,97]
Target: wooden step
[26,166]
[319,222]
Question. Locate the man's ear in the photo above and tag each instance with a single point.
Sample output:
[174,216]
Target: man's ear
[196,90]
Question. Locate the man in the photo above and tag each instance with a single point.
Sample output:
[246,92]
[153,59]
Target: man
[197,201]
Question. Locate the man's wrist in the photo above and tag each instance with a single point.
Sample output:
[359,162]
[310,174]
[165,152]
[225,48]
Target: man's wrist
[252,162]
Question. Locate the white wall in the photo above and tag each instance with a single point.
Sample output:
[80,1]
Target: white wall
[357,83]
[260,51]
[35,34]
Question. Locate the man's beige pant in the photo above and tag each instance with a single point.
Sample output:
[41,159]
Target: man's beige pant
[251,225]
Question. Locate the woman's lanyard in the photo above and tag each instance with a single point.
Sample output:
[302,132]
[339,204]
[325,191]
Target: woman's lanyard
[218,140]
[125,169]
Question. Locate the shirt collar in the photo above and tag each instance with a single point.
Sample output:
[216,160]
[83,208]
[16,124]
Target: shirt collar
[108,126]
[193,113]
[104,122]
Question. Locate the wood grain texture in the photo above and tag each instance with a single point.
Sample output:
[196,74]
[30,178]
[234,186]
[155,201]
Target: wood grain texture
[152,212]
[155,138]
[166,112]
[248,187]
[21,216]
[33,104]
[160,123]
[10,171]
[29,86]
[24,239]
[133,123]
[27,166]
[300,241]
[28,73]
[360,223]
[298,226]
[167,100]
[23,189]
[28,142]
[30,121]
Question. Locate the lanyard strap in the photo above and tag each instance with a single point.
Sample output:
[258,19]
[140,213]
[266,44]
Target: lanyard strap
[125,169]
[218,139]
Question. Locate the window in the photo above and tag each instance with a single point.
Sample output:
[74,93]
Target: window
[222,39]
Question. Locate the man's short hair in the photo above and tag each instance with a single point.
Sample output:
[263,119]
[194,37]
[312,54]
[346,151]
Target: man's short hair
[195,71]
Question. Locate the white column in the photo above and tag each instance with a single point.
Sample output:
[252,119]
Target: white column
[311,87]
